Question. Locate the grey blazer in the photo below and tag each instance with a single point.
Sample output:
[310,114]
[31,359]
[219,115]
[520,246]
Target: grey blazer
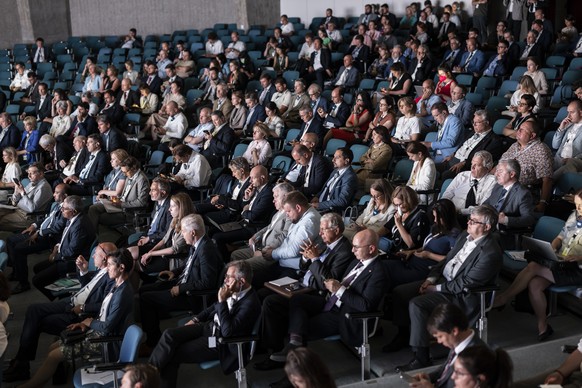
[558,143]
[238,118]
[518,205]
[138,192]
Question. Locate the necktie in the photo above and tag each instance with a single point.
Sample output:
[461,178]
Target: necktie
[471,200]
[150,79]
[346,282]
[499,203]
[155,220]
[85,171]
[448,365]
[468,59]
[327,190]
[64,235]
[50,219]
[184,275]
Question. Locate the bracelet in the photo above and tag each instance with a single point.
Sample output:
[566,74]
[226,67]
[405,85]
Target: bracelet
[543,201]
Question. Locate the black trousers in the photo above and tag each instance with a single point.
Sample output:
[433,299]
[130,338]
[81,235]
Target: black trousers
[19,247]
[47,272]
[308,319]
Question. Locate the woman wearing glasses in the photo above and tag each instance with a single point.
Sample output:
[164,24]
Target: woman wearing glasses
[525,113]
[378,211]
[480,366]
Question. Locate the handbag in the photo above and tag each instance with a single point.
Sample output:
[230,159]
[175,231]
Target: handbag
[350,215]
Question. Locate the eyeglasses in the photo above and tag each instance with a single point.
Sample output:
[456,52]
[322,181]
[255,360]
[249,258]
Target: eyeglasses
[478,122]
[459,373]
[522,104]
[376,196]
[359,99]
[354,247]
[472,221]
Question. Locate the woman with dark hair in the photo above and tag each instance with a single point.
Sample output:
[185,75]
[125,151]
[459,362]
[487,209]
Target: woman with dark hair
[305,369]
[357,123]
[525,108]
[481,367]
[274,121]
[385,117]
[378,211]
[446,83]
[400,82]
[537,277]
[409,226]
[116,307]
[415,264]
[110,80]
[374,162]
[423,174]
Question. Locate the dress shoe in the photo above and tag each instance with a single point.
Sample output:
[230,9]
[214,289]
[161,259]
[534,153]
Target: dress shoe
[20,288]
[412,365]
[282,383]
[398,343]
[546,334]
[268,364]
[282,355]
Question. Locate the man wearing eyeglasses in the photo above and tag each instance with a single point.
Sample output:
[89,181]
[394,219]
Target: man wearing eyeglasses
[449,134]
[474,261]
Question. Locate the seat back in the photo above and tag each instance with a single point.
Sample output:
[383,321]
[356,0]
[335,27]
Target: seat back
[547,228]
[402,170]
[130,344]
[333,145]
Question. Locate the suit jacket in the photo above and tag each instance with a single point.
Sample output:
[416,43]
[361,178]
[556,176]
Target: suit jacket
[537,51]
[47,53]
[32,92]
[221,144]
[518,205]
[133,98]
[500,68]
[226,107]
[351,79]
[238,117]
[43,110]
[423,71]
[320,170]
[343,112]
[464,112]
[116,140]
[315,126]
[291,115]
[513,54]
[138,195]
[558,142]
[11,138]
[97,293]
[155,85]
[325,59]
[262,208]
[120,306]
[98,170]
[519,9]
[32,147]
[479,269]
[362,58]
[56,226]
[320,103]
[164,222]
[448,382]
[85,128]
[78,239]
[83,158]
[476,63]
[451,137]
[456,60]
[333,267]
[270,91]
[258,114]
[341,195]
[205,269]
[364,294]
[545,40]
[114,113]
[238,321]
[492,143]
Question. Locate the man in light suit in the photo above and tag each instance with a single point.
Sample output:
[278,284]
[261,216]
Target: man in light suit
[271,235]
[77,238]
[450,327]
[513,201]
[93,172]
[54,317]
[474,261]
[328,261]
[338,112]
[310,171]
[566,140]
[347,76]
[515,13]
[449,135]
[299,99]
[339,190]
[200,272]
[472,61]
[220,142]
[235,314]
[360,290]
[461,107]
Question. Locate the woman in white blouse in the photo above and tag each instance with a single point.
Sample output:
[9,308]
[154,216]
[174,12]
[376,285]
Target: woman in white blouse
[407,128]
[423,171]
[12,169]
[538,76]
[61,122]
[526,86]
[129,72]
[273,120]
[259,150]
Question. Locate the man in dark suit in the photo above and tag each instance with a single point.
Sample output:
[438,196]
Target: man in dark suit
[310,124]
[42,106]
[338,112]
[420,66]
[513,201]
[40,54]
[235,314]
[339,190]
[329,18]
[317,101]
[58,154]
[497,64]
[513,51]
[9,135]
[54,317]
[82,124]
[200,272]
[36,238]
[31,94]
[450,327]
[268,89]
[320,64]
[532,48]
[474,261]
[112,110]
[545,38]
[310,171]
[256,112]
[360,290]
[461,107]
[360,54]
[112,137]
[483,139]
[255,213]
[152,79]
[128,98]
[220,142]
[77,238]
[347,76]
[453,55]
[93,171]
[317,263]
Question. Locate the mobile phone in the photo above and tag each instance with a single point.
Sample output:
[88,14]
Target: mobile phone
[206,132]
[16,181]
[406,377]
[400,211]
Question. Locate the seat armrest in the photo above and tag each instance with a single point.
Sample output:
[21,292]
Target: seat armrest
[364,315]
[213,291]
[111,366]
[476,290]
[105,339]
[237,340]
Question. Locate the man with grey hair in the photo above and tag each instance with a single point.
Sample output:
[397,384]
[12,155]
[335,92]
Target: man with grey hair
[201,271]
[299,99]
[272,235]
[59,154]
[317,100]
[483,139]
[471,188]
[195,138]
[474,261]
[76,239]
[318,262]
